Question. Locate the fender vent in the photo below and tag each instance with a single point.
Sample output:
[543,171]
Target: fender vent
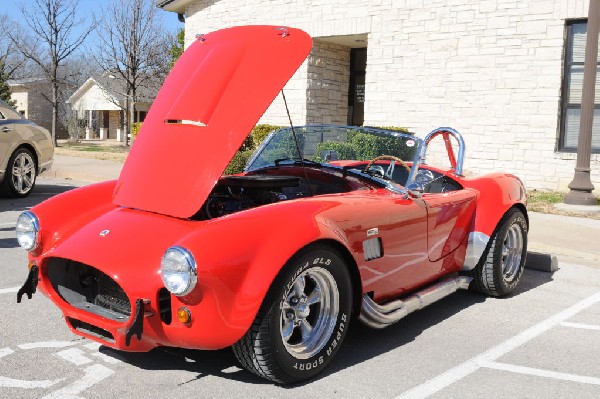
[372,248]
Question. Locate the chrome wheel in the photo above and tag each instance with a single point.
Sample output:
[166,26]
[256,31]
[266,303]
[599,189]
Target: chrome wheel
[23,173]
[512,251]
[309,313]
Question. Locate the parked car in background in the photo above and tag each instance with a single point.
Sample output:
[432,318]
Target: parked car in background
[26,150]
[326,225]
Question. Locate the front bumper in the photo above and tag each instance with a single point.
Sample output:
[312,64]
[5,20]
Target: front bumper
[98,312]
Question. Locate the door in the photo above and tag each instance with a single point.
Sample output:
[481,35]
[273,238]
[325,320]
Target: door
[449,219]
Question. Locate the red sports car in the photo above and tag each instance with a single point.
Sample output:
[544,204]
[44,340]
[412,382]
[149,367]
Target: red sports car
[326,224]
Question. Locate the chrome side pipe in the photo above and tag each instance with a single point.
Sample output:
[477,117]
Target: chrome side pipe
[380,316]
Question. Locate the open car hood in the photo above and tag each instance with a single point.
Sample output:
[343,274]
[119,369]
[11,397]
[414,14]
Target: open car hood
[208,105]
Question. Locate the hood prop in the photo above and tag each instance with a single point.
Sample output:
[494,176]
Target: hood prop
[300,154]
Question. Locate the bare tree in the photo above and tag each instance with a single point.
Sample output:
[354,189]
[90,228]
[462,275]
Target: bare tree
[133,45]
[52,36]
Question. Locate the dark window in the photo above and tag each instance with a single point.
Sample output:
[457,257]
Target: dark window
[356,93]
[573,88]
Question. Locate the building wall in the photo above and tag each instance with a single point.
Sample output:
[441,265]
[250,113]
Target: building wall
[22,101]
[31,98]
[95,98]
[328,77]
[492,69]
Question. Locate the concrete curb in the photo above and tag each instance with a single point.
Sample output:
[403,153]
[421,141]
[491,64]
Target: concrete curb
[542,262]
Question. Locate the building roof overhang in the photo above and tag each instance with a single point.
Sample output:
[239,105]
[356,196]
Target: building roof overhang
[177,6]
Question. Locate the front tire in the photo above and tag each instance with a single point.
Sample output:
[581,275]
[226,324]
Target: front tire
[20,175]
[302,321]
[500,269]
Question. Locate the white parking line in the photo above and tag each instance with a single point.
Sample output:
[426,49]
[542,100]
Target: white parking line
[5,352]
[580,325]
[541,373]
[49,344]
[9,290]
[6,382]
[74,355]
[93,375]
[451,376]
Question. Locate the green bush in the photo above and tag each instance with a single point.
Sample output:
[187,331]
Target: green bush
[238,162]
[362,146]
[135,129]
[254,139]
[260,132]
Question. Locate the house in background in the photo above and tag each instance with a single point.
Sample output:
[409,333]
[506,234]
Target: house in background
[506,74]
[100,104]
[32,103]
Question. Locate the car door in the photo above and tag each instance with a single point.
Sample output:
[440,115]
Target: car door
[6,129]
[449,218]
[389,232]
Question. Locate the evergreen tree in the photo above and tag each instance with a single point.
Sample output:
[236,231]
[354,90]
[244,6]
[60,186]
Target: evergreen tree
[5,92]
[177,47]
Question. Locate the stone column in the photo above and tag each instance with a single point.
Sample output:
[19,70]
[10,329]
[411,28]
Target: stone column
[88,128]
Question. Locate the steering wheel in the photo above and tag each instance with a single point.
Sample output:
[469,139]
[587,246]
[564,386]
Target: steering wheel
[391,167]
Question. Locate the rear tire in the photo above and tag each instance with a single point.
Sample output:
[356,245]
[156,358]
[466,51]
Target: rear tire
[20,175]
[302,321]
[501,266]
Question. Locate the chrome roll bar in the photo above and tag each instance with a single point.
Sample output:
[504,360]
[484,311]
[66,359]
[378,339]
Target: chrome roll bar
[455,162]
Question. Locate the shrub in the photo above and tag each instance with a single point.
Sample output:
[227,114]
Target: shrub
[237,163]
[254,139]
[260,132]
[135,129]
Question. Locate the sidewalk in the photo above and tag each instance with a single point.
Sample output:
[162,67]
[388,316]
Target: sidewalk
[571,239]
[84,169]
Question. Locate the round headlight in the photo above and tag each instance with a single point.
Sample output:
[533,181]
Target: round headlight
[178,271]
[28,228]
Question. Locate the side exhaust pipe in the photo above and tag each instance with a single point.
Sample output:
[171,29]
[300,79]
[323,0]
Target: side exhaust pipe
[380,316]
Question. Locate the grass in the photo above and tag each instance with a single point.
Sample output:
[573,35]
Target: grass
[112,152]
[95,148]
[544,201]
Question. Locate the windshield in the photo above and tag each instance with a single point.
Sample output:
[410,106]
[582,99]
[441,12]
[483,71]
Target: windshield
[336,145]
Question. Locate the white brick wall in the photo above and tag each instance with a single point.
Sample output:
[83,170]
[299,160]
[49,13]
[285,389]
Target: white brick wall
[489,68]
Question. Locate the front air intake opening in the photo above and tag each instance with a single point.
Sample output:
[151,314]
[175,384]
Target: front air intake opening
[87,288]
[91,330]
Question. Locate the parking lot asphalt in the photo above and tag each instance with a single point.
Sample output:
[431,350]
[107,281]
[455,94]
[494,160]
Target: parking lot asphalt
[543,341]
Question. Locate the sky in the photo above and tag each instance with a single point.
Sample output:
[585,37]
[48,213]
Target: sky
[86,9]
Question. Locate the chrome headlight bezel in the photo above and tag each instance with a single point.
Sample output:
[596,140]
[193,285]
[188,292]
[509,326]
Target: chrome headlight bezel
[178,271]
[28,231]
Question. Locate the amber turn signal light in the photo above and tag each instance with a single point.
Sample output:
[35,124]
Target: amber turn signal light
[184,315]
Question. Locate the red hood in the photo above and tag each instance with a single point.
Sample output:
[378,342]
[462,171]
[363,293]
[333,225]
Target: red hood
[219,88]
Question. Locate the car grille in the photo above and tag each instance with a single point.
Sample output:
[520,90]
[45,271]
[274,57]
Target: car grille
[87,288]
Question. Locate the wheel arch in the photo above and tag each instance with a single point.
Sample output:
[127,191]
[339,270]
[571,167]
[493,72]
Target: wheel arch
[30,148]
[498,194]
[352,267]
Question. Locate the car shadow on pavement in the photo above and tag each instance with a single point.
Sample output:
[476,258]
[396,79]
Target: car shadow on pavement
[220,363]
[362,343]
[40,193]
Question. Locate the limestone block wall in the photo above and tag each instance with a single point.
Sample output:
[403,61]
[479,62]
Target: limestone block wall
[327,83]
[492,69]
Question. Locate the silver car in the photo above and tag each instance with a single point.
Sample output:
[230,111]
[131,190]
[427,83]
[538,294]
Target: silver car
[26,150]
